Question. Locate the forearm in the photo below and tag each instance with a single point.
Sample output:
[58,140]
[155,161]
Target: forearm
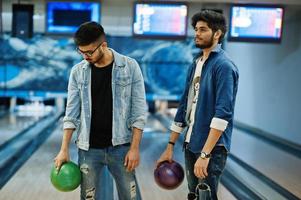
[173,138]
[66,139]
[168,153]
[136,139]
[212,139]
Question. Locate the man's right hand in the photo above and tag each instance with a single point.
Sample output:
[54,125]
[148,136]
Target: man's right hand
[166,155]
[62,157]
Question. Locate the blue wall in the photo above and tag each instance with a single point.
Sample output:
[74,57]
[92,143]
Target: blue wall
[269,95]
[42,64]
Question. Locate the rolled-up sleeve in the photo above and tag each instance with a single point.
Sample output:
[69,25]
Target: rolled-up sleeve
[176,127]
[219,124]
[226,84]
[71,118]
[138,108]
[179,122]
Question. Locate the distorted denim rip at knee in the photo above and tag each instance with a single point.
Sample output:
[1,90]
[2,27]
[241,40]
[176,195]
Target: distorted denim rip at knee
[84,168]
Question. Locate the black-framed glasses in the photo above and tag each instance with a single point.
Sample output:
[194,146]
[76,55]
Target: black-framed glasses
[88,53]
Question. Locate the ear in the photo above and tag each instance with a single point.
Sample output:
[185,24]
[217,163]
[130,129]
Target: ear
[217,34]
[104,45]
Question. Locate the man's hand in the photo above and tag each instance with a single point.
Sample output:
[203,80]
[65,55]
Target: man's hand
[200,167]
[62,157]
[166,155]
[132,159]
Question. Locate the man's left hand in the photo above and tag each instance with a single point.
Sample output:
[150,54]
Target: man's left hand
[132,159]
[200,168]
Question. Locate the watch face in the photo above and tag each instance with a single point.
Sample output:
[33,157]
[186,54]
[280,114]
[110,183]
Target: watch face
[203,155]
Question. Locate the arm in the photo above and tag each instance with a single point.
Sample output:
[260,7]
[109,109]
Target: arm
[71,121]
[200,167]
[63,155]
[138,99]
[179,123]
[168,153]
[137,118]
[132,158]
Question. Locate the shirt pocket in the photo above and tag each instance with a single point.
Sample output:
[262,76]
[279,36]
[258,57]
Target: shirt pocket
[123,86]
[122,94]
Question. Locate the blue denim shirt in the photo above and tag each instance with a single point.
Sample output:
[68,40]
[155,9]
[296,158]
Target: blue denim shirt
[129,104]
[216,100]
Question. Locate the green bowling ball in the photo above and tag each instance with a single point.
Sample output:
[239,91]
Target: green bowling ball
[68,178]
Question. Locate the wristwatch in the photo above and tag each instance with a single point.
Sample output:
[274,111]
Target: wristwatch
[205,155]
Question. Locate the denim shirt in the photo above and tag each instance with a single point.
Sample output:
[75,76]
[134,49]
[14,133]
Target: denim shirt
[216,100]
[129,104]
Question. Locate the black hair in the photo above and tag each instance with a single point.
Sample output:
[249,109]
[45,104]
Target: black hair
[88,33]
[215,21]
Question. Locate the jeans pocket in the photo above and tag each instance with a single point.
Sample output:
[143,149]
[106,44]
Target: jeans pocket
[217,163]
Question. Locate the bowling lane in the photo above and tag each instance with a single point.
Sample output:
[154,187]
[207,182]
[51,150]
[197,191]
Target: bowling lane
[32,179]
[278,165]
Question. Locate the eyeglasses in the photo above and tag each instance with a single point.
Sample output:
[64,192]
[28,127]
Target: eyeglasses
[88,53]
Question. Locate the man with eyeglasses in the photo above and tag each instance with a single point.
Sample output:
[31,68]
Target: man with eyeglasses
[106,107]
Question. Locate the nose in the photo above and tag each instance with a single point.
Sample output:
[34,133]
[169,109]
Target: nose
[85,56]
[197,33]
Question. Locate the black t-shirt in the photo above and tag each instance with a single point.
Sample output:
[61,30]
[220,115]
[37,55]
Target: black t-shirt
[102,110]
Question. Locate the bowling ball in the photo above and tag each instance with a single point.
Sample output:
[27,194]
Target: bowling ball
[68,178]
[169,175]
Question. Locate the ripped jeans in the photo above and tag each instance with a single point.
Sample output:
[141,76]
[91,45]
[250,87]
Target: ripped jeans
[92,162]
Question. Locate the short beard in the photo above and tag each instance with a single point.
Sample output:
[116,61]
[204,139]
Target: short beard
[100,56]
[206,45]
[203,46]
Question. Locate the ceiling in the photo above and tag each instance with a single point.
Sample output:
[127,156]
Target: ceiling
[282,2]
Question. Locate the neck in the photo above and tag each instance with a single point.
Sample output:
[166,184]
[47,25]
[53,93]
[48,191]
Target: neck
[106,59]
[207,51]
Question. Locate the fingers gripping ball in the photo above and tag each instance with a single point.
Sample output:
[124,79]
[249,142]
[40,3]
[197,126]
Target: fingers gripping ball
[68,178]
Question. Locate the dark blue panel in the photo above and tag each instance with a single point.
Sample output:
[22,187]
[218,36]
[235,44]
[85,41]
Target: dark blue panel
[43,63]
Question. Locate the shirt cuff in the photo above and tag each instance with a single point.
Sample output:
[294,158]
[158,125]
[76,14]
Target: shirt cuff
[219,124]
[68,125]
[175,128]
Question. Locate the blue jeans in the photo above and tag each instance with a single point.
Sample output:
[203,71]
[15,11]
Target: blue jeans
[215,168]
[92,163]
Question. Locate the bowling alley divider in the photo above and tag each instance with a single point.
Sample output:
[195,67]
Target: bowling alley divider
[20,148]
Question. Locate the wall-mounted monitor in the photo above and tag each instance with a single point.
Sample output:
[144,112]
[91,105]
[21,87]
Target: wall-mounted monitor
[65,17]
[165,20]
[256,23]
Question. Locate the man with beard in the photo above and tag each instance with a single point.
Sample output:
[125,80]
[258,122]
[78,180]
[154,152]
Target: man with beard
[207,106]
[106,107]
